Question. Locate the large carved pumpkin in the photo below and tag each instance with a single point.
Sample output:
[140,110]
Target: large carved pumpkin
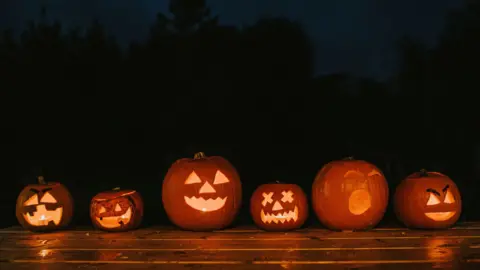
[116,210]
[44,206]
[428,200]
[203,193]
[279,207]
[350,195]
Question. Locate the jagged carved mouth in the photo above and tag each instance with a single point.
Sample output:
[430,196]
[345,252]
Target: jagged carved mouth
[440,216]
[42,216]
[200,204]
[115,221]
[279,217]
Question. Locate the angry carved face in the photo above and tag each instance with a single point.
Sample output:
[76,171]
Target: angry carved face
[428,200]
[44,207]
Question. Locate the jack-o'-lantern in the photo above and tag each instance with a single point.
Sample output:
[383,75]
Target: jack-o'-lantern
[350,195]
[44,206]
[203,193]
[116,210]
[279,206]
[428,200]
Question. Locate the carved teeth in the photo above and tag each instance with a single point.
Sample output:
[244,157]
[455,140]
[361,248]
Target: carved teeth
[113,221]
[203,205]
[49,215]
[280,217]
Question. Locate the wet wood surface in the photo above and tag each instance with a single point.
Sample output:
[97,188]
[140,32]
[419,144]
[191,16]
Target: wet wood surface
[242,248]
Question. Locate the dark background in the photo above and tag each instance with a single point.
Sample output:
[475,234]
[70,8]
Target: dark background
[81,110]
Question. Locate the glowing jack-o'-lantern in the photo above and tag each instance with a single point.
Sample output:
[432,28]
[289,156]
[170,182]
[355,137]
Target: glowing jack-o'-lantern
[117,210]
[428,200]
[279,206]
[44,206]
[202,193]
[350,195]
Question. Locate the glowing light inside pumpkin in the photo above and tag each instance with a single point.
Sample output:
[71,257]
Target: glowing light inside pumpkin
[434,200]
[200,203]
[440,216]
[42,217]
[286,216]
[359,202]
[279,217]
[115,221]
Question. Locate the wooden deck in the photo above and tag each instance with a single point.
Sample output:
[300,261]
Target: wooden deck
[242,248]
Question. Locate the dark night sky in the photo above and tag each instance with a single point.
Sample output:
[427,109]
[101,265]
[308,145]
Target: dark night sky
[349,35]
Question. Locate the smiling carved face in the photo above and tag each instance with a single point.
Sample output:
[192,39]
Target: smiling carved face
[207,199]
[44,207]
[203,193]
[279,206]
[428,200]
[117,210]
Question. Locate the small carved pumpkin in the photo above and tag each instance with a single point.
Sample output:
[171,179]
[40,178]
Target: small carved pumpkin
[350,195]
[117,210]
[279,206]
[428,200]
[44,206]
[203,193]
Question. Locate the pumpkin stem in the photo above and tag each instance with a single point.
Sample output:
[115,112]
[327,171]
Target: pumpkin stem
[116,189]
[41,180]
[423,173]
[349,158]
[199,155]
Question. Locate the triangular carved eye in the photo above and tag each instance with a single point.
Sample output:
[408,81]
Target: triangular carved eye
[32,200]
[449,198]
[433,200]
[48,198]
[102,210]
[192,179]
[118,208]
[220,178]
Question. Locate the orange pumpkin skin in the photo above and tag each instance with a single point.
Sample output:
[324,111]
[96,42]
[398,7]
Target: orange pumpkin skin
[428,200]
[279,207]
[203,193]
[58,192]
[128,215]
[350,195]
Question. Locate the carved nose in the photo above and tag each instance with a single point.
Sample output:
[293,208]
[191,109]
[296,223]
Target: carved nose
[207,188]
[277,206]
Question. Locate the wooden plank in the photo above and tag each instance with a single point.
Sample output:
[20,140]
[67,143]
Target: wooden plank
[353,265]
[239,229]
[266,236]
[432,254]
[72,244]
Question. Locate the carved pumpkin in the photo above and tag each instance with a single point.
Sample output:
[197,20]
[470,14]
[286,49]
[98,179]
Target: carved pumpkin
[44,206]
[203,193]
[279,206]
[428,200]
[350,195]
[117,210]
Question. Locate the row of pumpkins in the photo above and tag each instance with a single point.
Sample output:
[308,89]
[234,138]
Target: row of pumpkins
[204,193]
